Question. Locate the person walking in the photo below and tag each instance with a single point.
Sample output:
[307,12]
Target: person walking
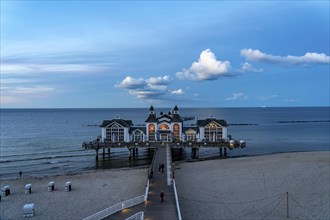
[162,167]
[162,196]
[20,174]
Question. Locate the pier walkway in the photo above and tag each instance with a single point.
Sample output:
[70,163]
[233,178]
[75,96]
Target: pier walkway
[154,209]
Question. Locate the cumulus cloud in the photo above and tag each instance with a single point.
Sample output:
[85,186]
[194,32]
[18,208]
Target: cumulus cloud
[308,58]
[236,96]
[132,83]
[177,92]
[206,68]
[247,67]
[149,89]
[160,80]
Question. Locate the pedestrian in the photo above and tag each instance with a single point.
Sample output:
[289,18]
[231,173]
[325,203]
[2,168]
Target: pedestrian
[162,166]
[20,174]
[162,196]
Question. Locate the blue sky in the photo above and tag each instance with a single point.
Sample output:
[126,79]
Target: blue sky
[99,54]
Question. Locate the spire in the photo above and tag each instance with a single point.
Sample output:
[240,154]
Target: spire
[176,110]
[151,110]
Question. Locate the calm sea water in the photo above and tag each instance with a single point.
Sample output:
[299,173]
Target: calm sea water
[43,142]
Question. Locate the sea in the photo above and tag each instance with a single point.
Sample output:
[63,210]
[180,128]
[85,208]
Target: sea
[42,142]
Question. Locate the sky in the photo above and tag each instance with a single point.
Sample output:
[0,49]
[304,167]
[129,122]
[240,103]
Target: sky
[126,54]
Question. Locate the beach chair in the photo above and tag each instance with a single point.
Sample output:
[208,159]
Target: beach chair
[5,191]
[28,210]
[67,186]
[51,186]
[27,188]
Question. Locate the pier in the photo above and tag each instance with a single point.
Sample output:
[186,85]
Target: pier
[153,208]
[133,147]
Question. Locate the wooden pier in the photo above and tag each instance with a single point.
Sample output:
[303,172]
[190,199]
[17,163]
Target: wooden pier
[134,146]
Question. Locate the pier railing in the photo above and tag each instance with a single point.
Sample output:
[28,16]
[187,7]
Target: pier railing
[137,216]
[116,208]
[96,144]
[177,201]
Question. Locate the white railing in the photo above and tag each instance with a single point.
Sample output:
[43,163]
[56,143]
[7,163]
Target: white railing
[137,216]
[168,164]
[177,201]
[116,208]
[123,205]
[147,191]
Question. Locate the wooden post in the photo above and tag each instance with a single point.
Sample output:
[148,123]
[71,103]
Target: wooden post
[97,154]
[287,204]
[103,154]
[225,151]
[220,151]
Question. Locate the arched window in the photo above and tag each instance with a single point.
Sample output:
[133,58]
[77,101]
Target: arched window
[176,132]
[164,127]
[114,133]
[151,131]
[190,135]
[213,132]
[137,135]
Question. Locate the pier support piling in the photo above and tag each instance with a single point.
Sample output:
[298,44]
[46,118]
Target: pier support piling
[97,154]
[225,151]
[103,153]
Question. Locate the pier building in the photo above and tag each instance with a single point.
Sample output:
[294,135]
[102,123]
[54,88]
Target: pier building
[170,128]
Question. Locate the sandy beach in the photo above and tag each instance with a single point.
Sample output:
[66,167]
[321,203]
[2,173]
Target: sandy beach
[233,188]
[255,187]
[91,192]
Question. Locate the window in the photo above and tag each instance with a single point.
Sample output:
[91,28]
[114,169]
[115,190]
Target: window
[114,133]
[137,135]
[213,132]
[164,127]
[151,131]
[176,132]
[190,135]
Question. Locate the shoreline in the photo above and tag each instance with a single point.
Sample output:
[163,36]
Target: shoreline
[206,158]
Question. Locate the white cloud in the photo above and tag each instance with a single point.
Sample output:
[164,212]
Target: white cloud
[247,67]
[22,68]
[308,58]
[150,89]
[206,68]
[177,92]
[24,94]
[159,80]
[132,83]
[236,96]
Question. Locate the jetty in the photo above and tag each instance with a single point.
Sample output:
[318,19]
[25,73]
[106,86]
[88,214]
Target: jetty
[168,129]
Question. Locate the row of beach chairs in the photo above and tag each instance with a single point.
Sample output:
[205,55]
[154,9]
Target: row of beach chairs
[28,209]
[5,191]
